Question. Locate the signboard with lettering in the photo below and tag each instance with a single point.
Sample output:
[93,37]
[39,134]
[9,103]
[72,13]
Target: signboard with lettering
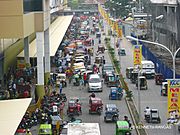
[137,54]
[173,98]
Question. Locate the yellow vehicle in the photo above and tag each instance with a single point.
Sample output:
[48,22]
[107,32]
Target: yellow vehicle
[61,78]
[45,129]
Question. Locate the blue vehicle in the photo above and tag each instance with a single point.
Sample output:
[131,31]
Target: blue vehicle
[116,93]
[111,113]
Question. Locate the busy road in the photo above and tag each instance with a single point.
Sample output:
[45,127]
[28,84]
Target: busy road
[74,91]
[148,98]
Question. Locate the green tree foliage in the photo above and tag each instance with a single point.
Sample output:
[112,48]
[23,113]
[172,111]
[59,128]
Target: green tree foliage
[73,4]
[122,7]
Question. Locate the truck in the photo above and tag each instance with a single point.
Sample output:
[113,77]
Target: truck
[83,128]
[147,69]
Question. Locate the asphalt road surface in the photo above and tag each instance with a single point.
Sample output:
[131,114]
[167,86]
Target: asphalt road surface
[150,97]
[74,91]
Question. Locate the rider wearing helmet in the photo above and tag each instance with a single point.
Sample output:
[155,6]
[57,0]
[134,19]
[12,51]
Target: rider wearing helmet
[92,95]
[147,112]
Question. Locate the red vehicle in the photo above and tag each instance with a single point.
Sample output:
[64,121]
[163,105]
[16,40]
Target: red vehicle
[87,42]
[95,105]
[159,78]
[20,131]
[74,107]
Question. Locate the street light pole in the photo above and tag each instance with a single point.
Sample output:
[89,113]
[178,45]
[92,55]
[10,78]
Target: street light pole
[163,46]
[173,58]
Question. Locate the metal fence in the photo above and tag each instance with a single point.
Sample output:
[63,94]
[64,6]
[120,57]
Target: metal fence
[160,67]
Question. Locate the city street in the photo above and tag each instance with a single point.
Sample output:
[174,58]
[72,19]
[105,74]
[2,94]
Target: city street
[150,97]
[74,91]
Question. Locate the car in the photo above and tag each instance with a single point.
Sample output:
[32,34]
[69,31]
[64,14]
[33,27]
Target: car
[95,83]
[111,113]
[88,73]
[107,68]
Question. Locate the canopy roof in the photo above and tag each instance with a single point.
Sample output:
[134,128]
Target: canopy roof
[57,31]
[11,114]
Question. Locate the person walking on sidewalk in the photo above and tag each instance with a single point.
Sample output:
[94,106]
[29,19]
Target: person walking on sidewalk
[60,88]
[85,79]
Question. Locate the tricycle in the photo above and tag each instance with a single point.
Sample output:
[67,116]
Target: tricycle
[61,78]
[111,113]
[153,117]
[45,129]
[143,83]
[95,105]
[159,78]
[129,72]
[111,79]
[98,60]
[122,52]
[74,107]
[101,48]
[76,81]
[116,93]
[134,76]
[122,128]
[164,89]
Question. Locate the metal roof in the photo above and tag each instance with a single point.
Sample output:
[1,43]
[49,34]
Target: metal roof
[57,31]
[11,114]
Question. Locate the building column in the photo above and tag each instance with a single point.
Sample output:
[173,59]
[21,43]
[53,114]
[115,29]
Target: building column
[26,50]
[47,55]
[40,64]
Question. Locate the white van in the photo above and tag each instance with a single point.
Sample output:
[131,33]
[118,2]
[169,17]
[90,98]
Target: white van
[147,68]
[94,83]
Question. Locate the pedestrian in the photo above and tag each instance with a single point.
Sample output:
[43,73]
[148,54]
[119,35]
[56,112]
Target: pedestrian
[81,83]
[60,87]
[14,89]
[92,42]
[85,79]
[28,132]
[5,79]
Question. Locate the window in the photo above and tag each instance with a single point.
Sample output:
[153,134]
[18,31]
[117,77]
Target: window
[33,5]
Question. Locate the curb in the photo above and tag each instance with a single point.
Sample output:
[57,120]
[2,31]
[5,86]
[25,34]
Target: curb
[127,103]
[132,117]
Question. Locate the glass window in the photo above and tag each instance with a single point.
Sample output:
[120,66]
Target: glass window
[33,5]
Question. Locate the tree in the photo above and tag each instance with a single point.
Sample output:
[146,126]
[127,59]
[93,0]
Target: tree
[122,7]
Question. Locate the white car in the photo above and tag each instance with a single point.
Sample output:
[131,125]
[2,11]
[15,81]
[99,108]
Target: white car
[94,83]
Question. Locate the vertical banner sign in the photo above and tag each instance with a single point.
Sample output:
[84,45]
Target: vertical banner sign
[174,98]
[137,54]
[120,28]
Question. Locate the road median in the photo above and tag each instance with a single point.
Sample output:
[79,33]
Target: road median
[129,97]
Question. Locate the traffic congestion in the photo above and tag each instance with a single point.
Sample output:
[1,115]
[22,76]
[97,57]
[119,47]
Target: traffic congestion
[83,88]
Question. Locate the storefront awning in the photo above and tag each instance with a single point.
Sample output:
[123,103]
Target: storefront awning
[57,31]
[11,114]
